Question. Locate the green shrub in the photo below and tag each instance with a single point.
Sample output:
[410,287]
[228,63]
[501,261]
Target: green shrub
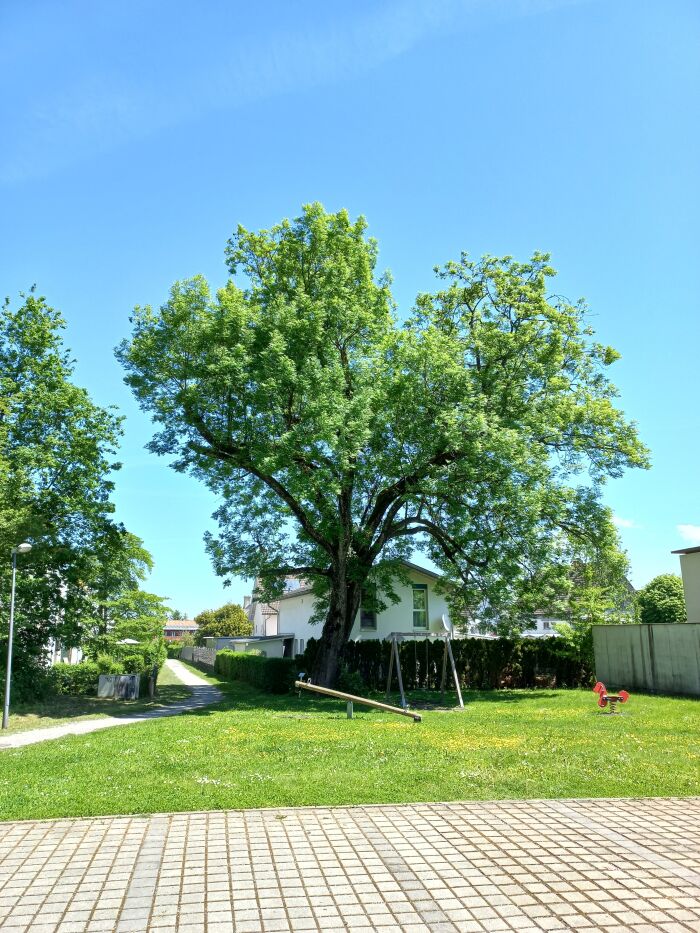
[272,675]
[106,664]
[351,681]
[75,679]
[31,681]
[174,648]
[134,663]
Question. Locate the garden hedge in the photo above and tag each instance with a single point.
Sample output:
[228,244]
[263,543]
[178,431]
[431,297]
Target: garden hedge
[272,675]
[482,664]
[75,679]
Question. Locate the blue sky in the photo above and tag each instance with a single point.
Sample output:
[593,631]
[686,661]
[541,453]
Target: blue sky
[136,135]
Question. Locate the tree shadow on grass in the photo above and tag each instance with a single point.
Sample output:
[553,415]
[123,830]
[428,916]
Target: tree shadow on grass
[243,698]
[40,713]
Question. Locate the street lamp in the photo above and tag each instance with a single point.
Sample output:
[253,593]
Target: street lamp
[23,548]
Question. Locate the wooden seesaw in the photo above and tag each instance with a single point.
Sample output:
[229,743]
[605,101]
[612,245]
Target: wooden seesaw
[350,699]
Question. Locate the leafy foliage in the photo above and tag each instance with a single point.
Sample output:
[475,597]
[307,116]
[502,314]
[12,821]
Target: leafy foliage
[56,449]
[229,621]
[662,600]
[339,439]
[76,679]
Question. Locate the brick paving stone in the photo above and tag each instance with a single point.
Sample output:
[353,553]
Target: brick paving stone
[523,866]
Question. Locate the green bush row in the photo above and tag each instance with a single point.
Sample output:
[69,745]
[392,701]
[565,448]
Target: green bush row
[75,679]
[273,675]
[81,679]
[482,664]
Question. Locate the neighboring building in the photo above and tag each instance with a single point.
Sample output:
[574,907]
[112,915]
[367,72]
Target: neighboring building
[420,610]
[543,627]
[690,572]
[176,628]
[283,627]
[262,616]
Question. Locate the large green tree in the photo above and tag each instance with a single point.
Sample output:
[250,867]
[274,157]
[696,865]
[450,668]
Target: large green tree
[229,621]
[56,454]
[662,600]
[340,438]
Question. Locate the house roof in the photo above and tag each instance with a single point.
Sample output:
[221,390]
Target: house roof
[307,588]
[687,550]
[423,570]
[299,591]
[181,623]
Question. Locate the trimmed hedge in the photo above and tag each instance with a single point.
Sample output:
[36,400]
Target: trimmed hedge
[272,675]
[173,648]
[482,664]
[75,679]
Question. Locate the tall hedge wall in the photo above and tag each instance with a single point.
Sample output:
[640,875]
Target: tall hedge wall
[273,675]
[482,664]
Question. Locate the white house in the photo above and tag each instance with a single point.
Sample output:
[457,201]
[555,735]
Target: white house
[263,616]
[420,610]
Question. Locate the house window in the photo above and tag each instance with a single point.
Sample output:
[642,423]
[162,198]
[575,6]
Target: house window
[420,605]
[368,611]
[546,626]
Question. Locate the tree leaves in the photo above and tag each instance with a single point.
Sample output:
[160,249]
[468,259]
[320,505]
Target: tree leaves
[478,431]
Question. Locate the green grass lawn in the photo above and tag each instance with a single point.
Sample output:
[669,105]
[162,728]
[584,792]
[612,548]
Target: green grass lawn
[55,710]
[256,750]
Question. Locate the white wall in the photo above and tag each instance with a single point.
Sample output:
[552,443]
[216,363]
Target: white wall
[295,611]
[263,624]
[543,626]
[690,571]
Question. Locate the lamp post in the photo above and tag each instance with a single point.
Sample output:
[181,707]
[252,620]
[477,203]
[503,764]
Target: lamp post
[20,549]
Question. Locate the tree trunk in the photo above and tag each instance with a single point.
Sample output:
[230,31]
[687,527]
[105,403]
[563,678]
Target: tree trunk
[343,607]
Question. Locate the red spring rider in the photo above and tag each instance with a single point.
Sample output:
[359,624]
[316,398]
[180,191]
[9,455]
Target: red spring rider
[609,699]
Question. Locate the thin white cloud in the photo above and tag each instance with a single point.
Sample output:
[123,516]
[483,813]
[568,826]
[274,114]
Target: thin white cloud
[689,533]
[105,105]
[624,522]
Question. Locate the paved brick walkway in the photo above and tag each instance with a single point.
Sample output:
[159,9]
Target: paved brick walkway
[585,865]
[202,694]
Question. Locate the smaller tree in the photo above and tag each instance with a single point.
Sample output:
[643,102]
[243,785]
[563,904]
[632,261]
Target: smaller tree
[228,622]
[662,600]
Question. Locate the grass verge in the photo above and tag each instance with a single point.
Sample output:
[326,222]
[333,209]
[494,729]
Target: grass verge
[257,750]
[56,710]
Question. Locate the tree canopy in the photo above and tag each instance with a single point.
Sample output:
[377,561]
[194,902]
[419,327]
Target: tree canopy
[229,621]
[57,450]
[662,600]
[478,430]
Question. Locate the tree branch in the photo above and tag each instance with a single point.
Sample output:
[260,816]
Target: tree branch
[238,456]
[403,485]
[289,571]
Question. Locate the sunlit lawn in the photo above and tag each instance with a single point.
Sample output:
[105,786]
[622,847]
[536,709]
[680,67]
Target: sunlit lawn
[256,750]
[55,710]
